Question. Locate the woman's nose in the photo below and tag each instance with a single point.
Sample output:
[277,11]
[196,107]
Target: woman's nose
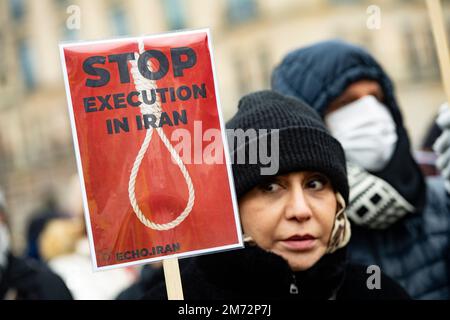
[297,206]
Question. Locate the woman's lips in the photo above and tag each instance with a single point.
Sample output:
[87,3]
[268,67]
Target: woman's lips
[300,243]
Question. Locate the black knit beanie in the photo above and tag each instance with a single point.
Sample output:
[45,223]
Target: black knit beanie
[304,141]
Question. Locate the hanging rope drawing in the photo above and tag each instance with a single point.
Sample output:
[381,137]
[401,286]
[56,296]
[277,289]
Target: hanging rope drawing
[142,83]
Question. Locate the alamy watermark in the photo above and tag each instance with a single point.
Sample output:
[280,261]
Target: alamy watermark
[374,280]
[73,21]
[373,21]
[248,146]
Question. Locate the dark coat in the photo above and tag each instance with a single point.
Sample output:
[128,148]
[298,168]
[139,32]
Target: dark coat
[253,273]
[414,251]
[26,279]
[148,277]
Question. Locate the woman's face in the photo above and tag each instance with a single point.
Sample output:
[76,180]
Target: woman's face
[291,216]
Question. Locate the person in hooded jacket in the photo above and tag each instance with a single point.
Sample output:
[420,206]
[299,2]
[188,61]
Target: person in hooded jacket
[400,222]
[294,222]
[25,278]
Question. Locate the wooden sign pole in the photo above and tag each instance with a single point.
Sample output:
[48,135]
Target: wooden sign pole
[440,39]
[173,279]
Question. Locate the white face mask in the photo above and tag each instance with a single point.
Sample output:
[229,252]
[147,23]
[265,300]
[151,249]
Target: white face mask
[367,132]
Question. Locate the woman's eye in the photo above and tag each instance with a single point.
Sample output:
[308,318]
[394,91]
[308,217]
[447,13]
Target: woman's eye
[270,187]
[317,183]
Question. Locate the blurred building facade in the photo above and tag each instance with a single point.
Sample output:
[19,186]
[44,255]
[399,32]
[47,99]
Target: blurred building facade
[249,36]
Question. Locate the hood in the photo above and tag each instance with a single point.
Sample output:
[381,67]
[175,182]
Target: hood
[319,73]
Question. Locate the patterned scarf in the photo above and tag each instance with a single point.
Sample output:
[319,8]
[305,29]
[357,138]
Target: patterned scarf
[374,203]
[341,232]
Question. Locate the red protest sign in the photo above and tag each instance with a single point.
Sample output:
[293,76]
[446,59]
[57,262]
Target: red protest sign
[148,137]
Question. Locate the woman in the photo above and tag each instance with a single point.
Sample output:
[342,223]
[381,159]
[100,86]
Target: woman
[294,223]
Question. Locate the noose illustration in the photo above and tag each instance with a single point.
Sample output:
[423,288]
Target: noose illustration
[141,84]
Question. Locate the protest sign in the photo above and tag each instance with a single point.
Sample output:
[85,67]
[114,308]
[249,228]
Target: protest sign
[149,141]
[440,39]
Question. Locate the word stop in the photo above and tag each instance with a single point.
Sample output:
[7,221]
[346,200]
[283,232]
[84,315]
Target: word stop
[182,58]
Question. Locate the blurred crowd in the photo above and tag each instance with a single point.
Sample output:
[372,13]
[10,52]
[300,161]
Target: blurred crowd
[57,263]
[403,236]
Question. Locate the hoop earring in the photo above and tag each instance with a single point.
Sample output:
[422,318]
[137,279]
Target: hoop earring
[248,239]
